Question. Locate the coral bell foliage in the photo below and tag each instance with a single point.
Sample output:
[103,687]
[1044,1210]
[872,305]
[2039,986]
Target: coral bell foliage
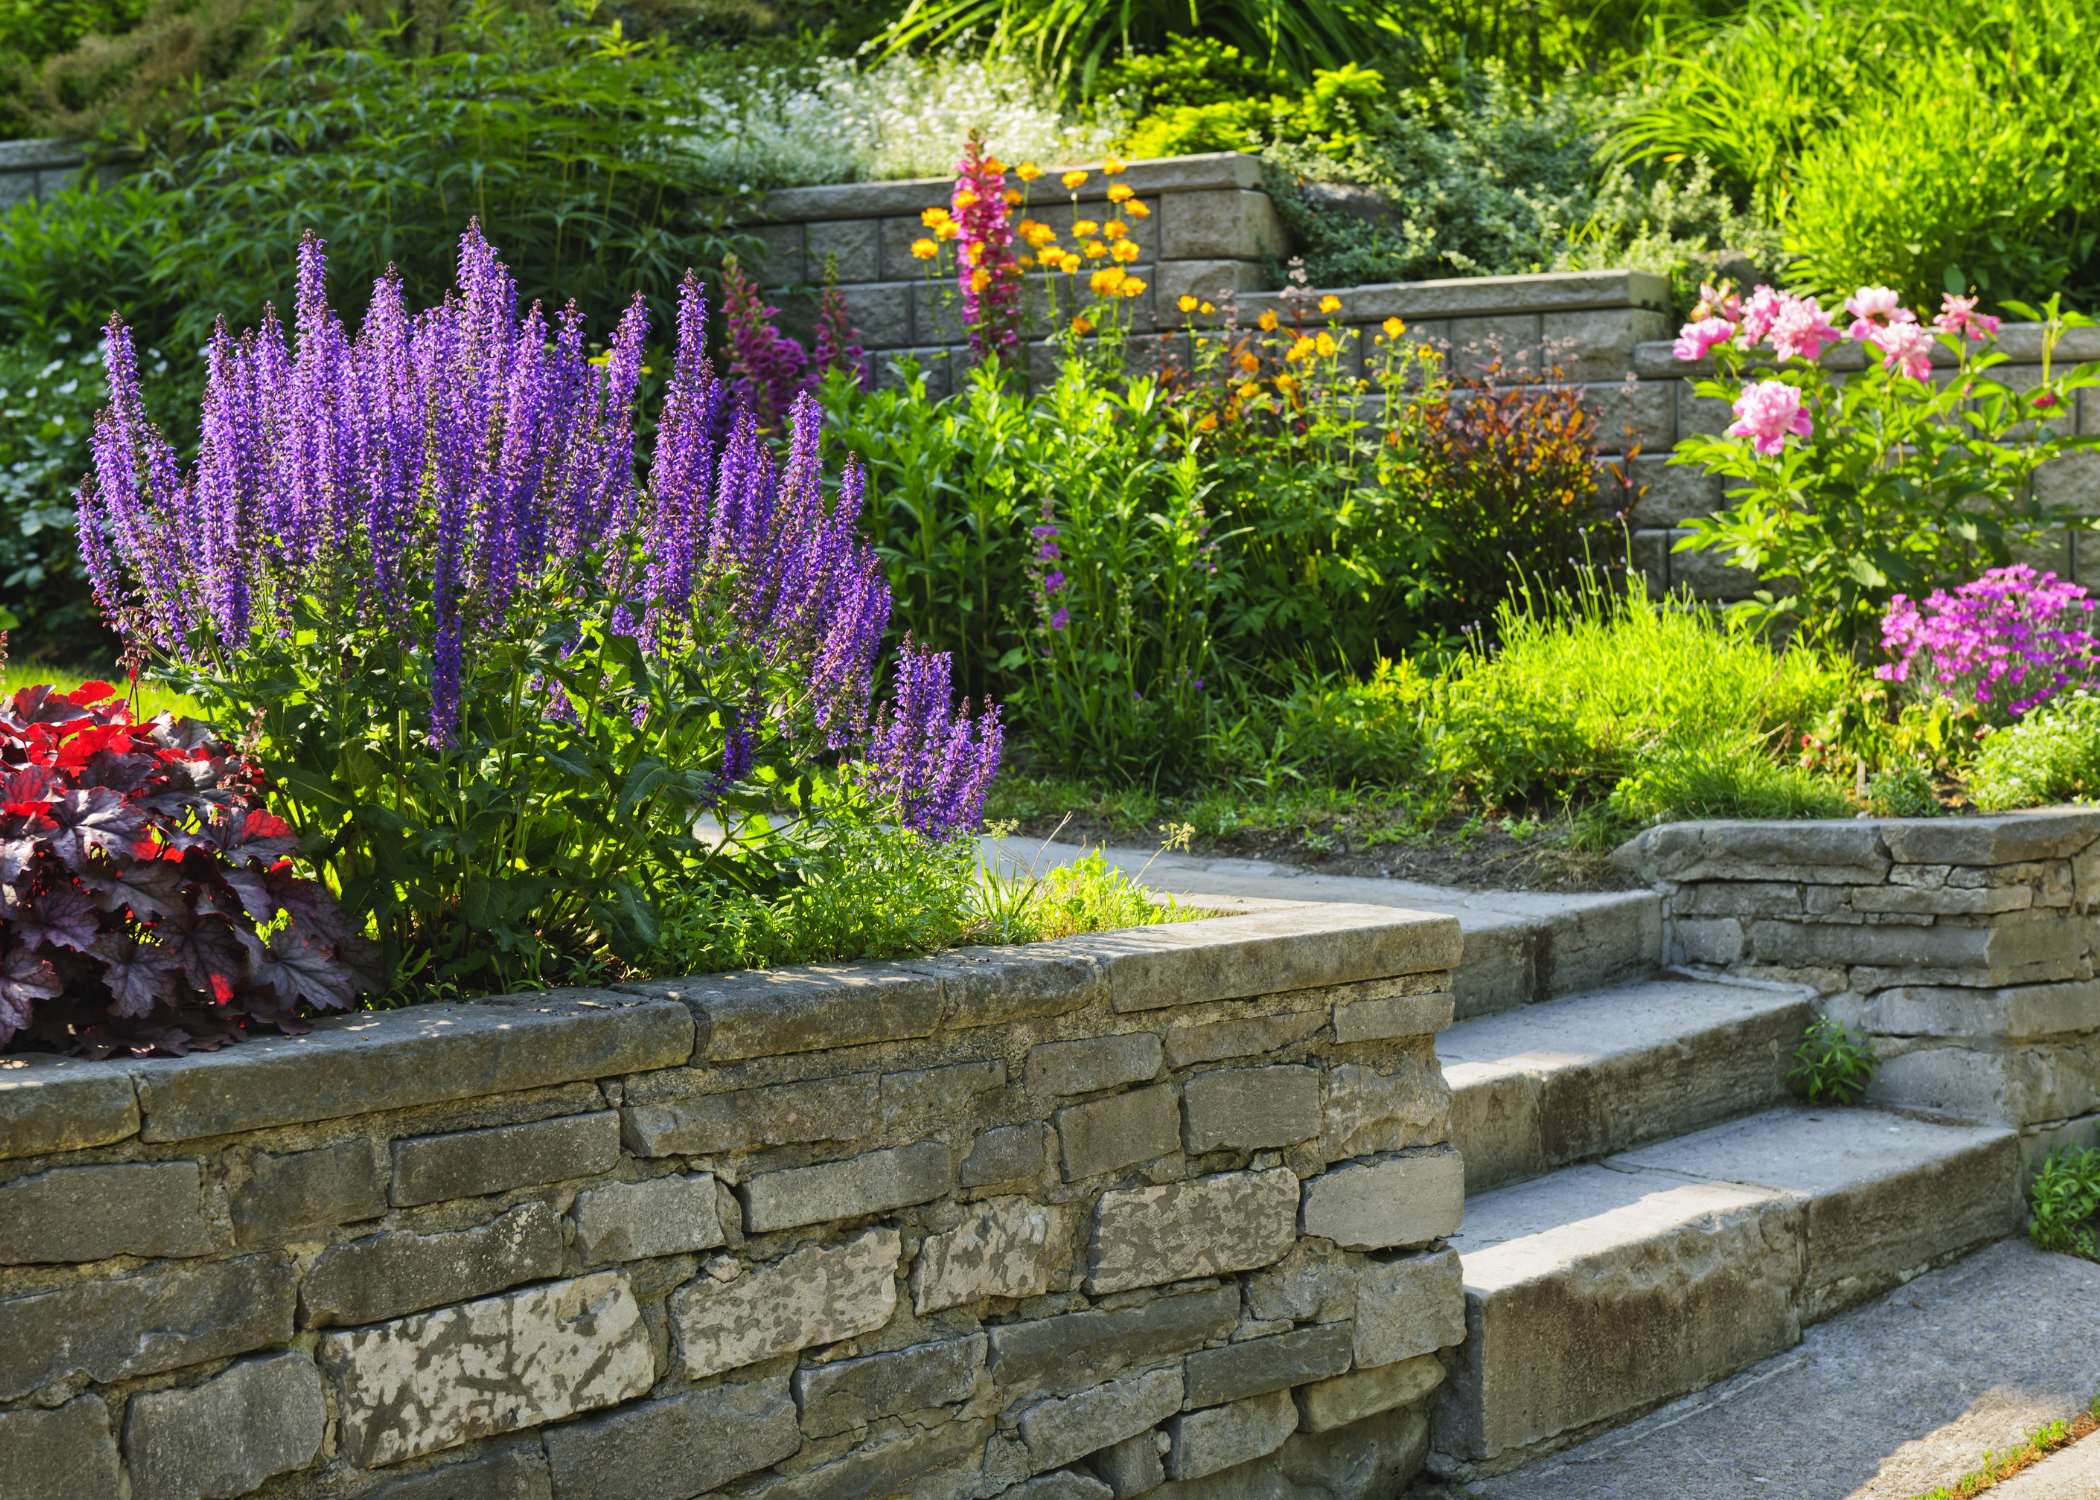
[499,680]
[147,898]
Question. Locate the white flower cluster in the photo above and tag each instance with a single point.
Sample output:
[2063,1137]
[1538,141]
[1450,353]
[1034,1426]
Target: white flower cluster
[901,117]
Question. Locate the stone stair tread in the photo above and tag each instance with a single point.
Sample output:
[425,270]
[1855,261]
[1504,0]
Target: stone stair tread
[1813,1150]
[1516,1233]
[1629,1018]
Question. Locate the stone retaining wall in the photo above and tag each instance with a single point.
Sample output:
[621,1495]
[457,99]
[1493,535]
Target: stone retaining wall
[1965,947]
[1161,1209]
[36,169]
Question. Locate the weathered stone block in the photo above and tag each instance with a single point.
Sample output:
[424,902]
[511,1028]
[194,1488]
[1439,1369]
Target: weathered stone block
[50,1104]
[1078,1349]
[1103,1135]
[307,1191]
[1251,1107]
[1234,1221]
[1004,1247]
[991,986]
[811,1008]
[856,243]
[389,1275]
[141,1325]
[1598,344]
[1402,1200]
[1384,1108]
[1801,945]
[1315,1282]
[675,1448]
[870,1184]
[67,1454]
[1259,1366]
[2007,838]
[1409,1307]
[1067,1484]
[436,1380]
[1368,1460]
[1131,1467]
[822,1109]
[1189,1045]
[817,1295]
[2019,1013]
[92,1213]
[851,1393]
[1058,1431]
[226,1436]
[1403,1015]
[1206,1442]
[640,1220]
[941,1094]
[474,1163]
[1221,224]
[513,1474]
[891,1466]
[1093,1063]
[1007,1154]
[1327,1404]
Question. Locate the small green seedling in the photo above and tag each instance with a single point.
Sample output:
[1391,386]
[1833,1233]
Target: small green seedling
[2065,1195]
[1833,1065]
[1903,790]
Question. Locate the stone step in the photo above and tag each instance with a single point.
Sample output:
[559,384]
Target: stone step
[1521,947]
[1573,1079]
[1598,1292]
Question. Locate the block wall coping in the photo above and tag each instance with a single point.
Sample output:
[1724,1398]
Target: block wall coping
[878,200]
[50,151]
[1848,849]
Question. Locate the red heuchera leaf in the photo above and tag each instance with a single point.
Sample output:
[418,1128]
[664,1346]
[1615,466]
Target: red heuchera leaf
[90,692]
[24,980]
[64,918]
[97,818]
[251,835]
[29,789]
[44,704]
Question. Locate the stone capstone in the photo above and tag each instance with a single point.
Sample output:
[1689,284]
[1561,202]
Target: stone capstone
[438,1379]
[1270,953]
[810,1008]
[1247,1108]
[1059,1431]
[1105,1135]
[870,1184]
[66,1454]
[1327,1404]
[1384,1108]
[1409,1307]
[1008,1154]
[225,1437]
[389,1275]
[642,1220]
[1092,1064]
[475,1163]
[1222,1437]
[817,1295]
[674,1448]
[1259,1366]
[514,1474]
[141,1325]
[50,1104]
[1004,1247]
[1131,1467]
[822,1109]
[1073,1350]
[92,1213]
[849,1393]
[1233,1221]
[1399,1200]
[307,1191]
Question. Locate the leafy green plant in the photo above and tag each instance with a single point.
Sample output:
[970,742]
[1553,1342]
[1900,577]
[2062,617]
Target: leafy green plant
[1903,790]
[2064,1196]
[1833,1064]
[2052,755]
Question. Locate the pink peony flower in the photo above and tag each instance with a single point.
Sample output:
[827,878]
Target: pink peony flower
[1695,339]
[1875,307]
[1759,314]
[1905,344]
[1766,413]
[1803,329]
[1959,315]
[1717,302]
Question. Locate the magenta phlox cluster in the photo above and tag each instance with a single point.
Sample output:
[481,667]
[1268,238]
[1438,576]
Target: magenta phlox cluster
[2012,639]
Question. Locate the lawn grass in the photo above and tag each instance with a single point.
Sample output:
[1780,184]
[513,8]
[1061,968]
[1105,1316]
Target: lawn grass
[152,699]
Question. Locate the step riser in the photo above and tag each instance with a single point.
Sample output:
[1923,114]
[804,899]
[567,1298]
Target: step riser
[1512,961]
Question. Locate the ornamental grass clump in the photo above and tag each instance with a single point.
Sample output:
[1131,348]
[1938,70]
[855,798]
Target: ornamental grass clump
[502,686]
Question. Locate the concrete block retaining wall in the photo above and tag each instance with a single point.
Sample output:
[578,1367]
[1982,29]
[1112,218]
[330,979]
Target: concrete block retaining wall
[36,169]
[1964,947]
[1161,1209]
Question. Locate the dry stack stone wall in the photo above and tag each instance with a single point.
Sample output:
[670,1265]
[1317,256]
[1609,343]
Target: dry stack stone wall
[1964,947]
[1156,1210]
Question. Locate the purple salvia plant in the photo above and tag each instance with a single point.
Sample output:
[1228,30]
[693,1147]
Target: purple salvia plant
[2010,640]
[933,763]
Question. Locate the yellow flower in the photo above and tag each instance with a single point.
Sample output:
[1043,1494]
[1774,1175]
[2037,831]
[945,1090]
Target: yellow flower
[1028,171]
[1326,346]
[964,198]
[1268,322]
[974,254]
[1110,167]
[993,167]
[1394,328]
[1024,260]
[1187,304]
[925,249]
[1284,383]
[1249,363]
[1107,279]
[947,229]
[1126,251]
[1122,192]
[1330,304]
[1115,229]
[1013,198]
[934,217]
[1086,227]
[1207,308]
[1137,210]
[980,279]
[1069,264]
[1072,180]
[1081,325]
[1301,351]
[1095,249]
[1206,422]
[1130,286]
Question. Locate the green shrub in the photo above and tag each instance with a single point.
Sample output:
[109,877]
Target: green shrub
[1678,780]
[2065,1195]
[1903,790]
[1833,1064]
[2052,755]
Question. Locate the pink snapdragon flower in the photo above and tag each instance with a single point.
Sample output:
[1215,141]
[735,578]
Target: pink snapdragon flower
[1907,345]
[1959,315]
[1875,307]
[1803,329]
[1694,340]
[1767,413]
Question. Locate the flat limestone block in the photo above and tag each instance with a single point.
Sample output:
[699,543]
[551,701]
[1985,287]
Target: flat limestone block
[1888,1197]
[1551,1084]
[395,1059]
[63,1104]
[1592,1295]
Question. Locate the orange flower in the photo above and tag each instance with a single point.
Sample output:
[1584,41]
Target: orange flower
[1126,251]
[1115,229]
[974,253]
[1095,249]
[1186,304]
[1207,308]
[1028,171]
[964,198]
[925,249]
[1024,260]
[1086,227]
[947,229]
[980,279]
[1284,383]
[1268,322]
[1206,422]
[1072,180]
[1110,167]
[1394,328]
[1326,343]
[1012,197]
[1107,279]
[1130,286]
[1122,192]
[1069,264]
[1301,351]
[993,167]
[1330,303]
[1137,210]
[1249,363]
[933,218]
[1081,325]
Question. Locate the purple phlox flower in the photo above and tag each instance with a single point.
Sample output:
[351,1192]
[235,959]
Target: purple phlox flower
[2008,641]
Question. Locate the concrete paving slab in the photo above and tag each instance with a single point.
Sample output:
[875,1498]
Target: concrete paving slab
[1881,1403]
[2071,1473]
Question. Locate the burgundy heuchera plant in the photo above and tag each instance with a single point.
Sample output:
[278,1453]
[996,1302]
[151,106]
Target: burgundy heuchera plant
[147,897]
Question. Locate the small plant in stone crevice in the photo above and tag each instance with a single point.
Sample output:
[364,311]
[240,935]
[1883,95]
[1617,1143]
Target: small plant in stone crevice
[1833,1064]
[2065,1197]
